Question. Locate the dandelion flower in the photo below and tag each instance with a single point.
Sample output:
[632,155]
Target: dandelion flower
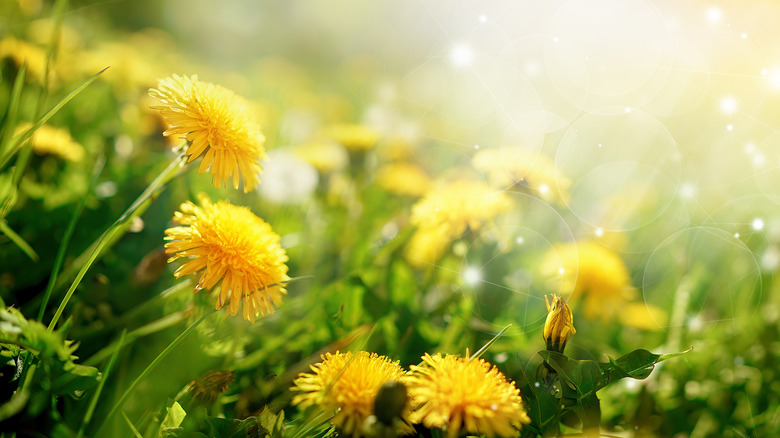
[346,384]
[22,52]
[559,325]
[593,272]
[217,124]
[48,140]
[643,316]
[403,179]
[354,137]
[445,213]
[455,393]
[326,157]
[520,167]
[231,246]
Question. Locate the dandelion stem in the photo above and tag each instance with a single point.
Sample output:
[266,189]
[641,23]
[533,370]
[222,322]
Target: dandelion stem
[113,231]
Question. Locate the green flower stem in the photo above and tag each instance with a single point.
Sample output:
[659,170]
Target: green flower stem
[116,228]
[156,362]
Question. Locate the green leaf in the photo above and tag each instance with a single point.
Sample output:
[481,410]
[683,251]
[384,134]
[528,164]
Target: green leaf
[580,376]
[543,407]
[173,419]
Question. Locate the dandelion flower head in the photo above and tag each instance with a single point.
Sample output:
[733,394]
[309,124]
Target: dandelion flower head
[218,126]
[324,156]
[459,205]
[230,246]
[593,272]
[405,179]
[516,166]
[354,137]
[22,52]
[48,140]
[459,393]
[346,384]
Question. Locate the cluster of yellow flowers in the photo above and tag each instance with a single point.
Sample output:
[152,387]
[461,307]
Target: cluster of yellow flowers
[448,392]
[228,245]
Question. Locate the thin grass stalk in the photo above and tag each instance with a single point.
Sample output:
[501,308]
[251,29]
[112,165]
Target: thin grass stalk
[60,258]
[155,363]
[23,159]
[96,396]
[114,229]
[18,141]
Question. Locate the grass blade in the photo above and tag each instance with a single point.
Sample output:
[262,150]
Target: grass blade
[156,362]
[11,114]
[132,428]
[17,239]
[18,141]
[58,261]
[489,343]
[96,396]
[114,231]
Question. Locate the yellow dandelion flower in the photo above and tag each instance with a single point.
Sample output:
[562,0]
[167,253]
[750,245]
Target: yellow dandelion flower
[520,167]
[593,272]
[22,52]
[426,247]
[559,325]
[325,157]
[643,316]
[446,212]
[455,393]
[48,140]
[403,179]
[354,137]
[233,247]
[346,384]
[218,126]
[460,205]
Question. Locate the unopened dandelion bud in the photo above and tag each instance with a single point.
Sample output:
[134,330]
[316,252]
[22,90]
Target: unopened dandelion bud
[390,402]
[559,325]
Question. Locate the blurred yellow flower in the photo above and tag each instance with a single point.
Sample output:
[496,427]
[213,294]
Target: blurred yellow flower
[426,247]
[643,316]
[236,248]
[217,123]
[354,137]
[446,212]
[346,385]
[403,179]
[48,140]
[520,167]
[589,270]
[455,393]
[459,205]
[559,325]
[324,156]
[22,52]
